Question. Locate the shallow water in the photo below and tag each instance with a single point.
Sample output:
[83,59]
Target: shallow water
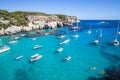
[52,65]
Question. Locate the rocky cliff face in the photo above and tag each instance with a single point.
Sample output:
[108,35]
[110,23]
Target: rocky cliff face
[36,22]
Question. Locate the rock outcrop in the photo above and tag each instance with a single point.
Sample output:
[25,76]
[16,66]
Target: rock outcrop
[37,22]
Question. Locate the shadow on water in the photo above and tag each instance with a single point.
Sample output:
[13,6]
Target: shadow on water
[111,73]
[23,74]
[109,44]
[108,56]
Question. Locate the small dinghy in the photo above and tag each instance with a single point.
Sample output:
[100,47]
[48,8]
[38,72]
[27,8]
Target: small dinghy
[100,35]
[116,42]
[37,46]
[59,49]
[96,41]
[18,57]
[67,58]
[61,36]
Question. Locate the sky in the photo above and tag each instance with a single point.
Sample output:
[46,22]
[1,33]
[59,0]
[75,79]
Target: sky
[83,9]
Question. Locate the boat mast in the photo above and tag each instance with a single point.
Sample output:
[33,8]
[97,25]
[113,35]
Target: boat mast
[117,31]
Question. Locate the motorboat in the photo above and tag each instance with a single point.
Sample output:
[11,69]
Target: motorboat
[59,49]
[89,32]
[67,58]
[16,38]
[18,57]
[35,57]
[37,46]
[75,36]
[119,33]
[96,41]
[61,36]
[34,39]
[22,35]
[4,49]
[65,41]
[12,42]
[46,33]
[116,42]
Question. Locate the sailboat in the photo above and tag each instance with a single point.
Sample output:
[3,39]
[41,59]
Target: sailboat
[116,42]
[3,48]
[76,35]
[89,31]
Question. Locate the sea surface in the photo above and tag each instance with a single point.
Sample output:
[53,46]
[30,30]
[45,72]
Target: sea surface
[52,66]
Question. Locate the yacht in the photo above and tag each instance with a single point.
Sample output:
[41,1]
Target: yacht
[61,36]
[65,41]
[67,58]
[4,49]
[35,57]
[12,42]
[96,41]
[59,49]
[116,42]
[18,57]
[37,46]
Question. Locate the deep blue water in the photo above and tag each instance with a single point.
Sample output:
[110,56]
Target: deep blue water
[52,66]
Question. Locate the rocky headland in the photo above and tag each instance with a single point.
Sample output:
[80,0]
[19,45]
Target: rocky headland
[19,21]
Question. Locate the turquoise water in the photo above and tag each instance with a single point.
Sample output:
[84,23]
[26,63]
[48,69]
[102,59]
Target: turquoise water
[52,66]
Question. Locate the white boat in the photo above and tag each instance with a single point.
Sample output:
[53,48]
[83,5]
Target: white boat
[34,39]
[18,57]
[75,36]
[119,33]
[65,41]
[4,49]
[100,35]
[61,36]
[37,46]
[22,35]
[59,49]
[89,32]
[12,42]
[16,38]
[67,58]
[96,41]
[46,33]
[116,42]
[35,57]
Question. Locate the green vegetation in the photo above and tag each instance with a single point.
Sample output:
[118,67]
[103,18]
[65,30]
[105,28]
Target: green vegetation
[18,18]
[62,17]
